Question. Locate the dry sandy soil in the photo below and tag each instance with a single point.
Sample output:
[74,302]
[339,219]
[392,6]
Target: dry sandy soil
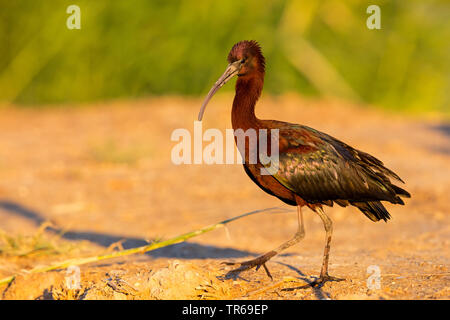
[102,176]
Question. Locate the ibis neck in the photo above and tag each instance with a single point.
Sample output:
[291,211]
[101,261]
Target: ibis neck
[248,91]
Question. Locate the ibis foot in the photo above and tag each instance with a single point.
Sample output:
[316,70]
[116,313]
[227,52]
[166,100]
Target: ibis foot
[254,263]
[324,278]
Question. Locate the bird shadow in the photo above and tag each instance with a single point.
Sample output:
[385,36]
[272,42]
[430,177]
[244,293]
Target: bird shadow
[310,284]
[183,250]
[317,289]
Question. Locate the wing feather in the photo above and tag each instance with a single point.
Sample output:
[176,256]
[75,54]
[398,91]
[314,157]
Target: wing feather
[320,168]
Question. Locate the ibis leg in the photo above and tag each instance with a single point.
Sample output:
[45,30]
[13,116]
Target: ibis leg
[328,224]
[261,260]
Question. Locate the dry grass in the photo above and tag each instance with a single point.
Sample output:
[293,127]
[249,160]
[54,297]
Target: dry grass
[37,244]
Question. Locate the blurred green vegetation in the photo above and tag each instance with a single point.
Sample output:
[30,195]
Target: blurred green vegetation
[133,48]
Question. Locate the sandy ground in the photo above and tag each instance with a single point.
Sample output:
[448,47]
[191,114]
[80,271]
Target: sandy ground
[103,176]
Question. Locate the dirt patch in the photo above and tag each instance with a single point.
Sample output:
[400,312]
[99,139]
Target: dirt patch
[103,177]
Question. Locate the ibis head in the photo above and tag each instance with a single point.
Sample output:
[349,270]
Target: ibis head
[245,60]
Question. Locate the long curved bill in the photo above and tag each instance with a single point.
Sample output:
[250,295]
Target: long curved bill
[232,70]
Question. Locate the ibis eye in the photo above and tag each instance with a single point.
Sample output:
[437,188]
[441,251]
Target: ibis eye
[243,60]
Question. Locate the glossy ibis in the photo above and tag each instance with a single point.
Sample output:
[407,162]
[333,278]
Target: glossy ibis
[315,169]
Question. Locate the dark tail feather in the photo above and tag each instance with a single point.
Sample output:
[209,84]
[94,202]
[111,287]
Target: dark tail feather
[374,210]
[378,165]
[401,192]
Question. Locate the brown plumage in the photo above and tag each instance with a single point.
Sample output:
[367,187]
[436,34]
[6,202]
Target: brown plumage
[315,169]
